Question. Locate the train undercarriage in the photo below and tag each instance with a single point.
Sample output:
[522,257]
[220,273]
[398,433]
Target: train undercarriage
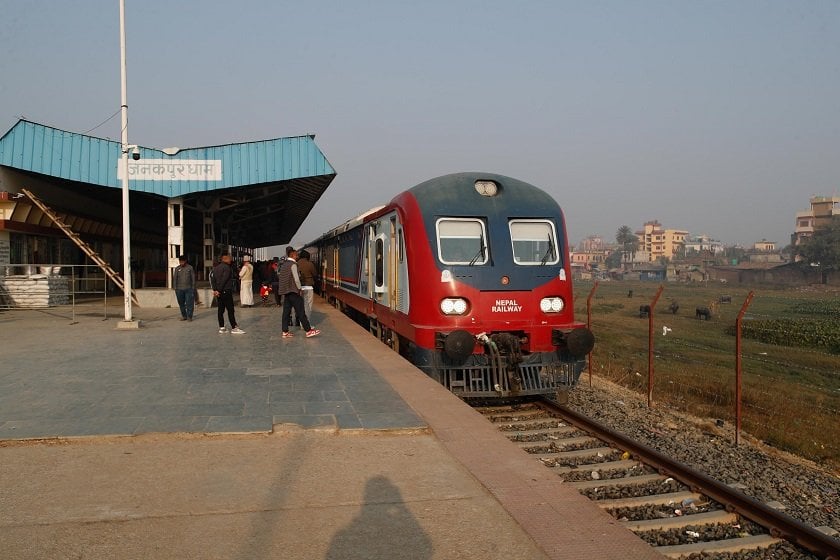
[503,371]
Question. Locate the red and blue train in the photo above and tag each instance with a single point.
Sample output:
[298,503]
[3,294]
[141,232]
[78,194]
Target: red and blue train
[467,276]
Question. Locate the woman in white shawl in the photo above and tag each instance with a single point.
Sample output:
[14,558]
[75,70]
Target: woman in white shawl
[246,283]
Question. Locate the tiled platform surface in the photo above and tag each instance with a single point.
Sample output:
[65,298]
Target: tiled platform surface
[439,482]
[62,379]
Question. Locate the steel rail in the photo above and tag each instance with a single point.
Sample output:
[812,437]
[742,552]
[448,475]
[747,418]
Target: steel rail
[778,523]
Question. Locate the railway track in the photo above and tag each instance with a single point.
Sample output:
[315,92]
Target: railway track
[676,509]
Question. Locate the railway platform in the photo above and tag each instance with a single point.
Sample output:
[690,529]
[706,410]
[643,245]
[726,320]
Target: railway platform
[174,441]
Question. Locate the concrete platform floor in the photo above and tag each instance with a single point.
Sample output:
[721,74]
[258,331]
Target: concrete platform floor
[305,494]
[423,477]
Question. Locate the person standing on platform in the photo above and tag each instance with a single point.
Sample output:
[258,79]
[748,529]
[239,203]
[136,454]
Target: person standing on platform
[246,283]
[289,286]
[183,282]
[222,281]
[306,270]
[272,275]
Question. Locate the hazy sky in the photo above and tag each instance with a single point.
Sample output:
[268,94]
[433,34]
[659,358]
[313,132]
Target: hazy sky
[713,117]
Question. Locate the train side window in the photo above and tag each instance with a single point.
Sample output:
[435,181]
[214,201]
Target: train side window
[534,242]
[462,241]
[379,264]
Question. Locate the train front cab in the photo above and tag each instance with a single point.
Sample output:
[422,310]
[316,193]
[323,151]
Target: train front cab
[503,258]
[367,264]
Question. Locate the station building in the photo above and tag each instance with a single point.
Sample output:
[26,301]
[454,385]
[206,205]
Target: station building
[61,191]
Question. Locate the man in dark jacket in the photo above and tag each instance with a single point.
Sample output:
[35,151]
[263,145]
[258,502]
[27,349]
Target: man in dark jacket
[183,282]
[273,269]
[289,286]
[223,282]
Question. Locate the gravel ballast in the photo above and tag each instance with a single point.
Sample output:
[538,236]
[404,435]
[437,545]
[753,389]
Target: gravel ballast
[807,493]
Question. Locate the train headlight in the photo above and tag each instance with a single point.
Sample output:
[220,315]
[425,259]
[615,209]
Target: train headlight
[486,188]
[551,305]
[453,306]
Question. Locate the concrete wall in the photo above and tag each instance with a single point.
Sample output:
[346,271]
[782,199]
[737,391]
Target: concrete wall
[159,298]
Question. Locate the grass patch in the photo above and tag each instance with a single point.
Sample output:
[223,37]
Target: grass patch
[790,383]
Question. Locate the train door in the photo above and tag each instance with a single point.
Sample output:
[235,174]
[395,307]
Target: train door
[380,268]
[335,275]
[400,272]
[393,300]
[384,256]
[369,248]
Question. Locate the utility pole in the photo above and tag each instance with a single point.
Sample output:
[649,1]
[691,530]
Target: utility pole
[127,322]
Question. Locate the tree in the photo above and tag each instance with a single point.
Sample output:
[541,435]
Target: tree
[613,260]
[628,241]
[823,247]
[734,254]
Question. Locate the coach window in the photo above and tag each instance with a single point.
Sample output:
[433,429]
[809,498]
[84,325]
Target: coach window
[534,242]
[462,241]
[379,264]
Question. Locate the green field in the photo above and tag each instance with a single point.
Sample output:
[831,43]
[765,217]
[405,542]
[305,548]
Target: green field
[790,383]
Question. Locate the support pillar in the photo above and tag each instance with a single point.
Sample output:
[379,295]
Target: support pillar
[175,235]
[224,240]
[209,244]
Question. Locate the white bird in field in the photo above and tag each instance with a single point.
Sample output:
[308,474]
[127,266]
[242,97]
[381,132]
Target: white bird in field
[666,330]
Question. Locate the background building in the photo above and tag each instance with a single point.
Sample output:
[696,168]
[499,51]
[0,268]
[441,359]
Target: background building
[658,243]
[820,214]
[591,254]
[764,246]
[591,243]
[703,244]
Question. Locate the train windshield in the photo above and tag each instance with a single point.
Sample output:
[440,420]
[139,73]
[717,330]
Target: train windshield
[462,241]
[534,242]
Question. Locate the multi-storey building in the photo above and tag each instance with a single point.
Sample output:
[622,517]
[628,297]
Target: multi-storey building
[703,243]
[591,252]
[591,243]
[764,246]
[587,259]
[823,208]
[658,242]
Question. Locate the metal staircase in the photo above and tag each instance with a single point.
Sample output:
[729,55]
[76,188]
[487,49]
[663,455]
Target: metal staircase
[106,268]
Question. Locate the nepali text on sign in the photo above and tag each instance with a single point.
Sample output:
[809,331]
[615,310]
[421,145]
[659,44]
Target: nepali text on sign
[173,170]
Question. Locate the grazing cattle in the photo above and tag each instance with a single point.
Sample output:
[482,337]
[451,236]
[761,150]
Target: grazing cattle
[703,312]
[674,307]
[644,311]
[725,299]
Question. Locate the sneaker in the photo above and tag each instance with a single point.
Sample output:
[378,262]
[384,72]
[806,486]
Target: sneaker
[312,332]
[237,330]
[222,330]
[288,335]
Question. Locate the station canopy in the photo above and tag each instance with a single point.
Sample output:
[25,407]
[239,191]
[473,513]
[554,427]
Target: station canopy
[260,191]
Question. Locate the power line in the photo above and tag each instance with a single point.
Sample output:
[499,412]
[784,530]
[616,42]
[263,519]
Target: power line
[103,122]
